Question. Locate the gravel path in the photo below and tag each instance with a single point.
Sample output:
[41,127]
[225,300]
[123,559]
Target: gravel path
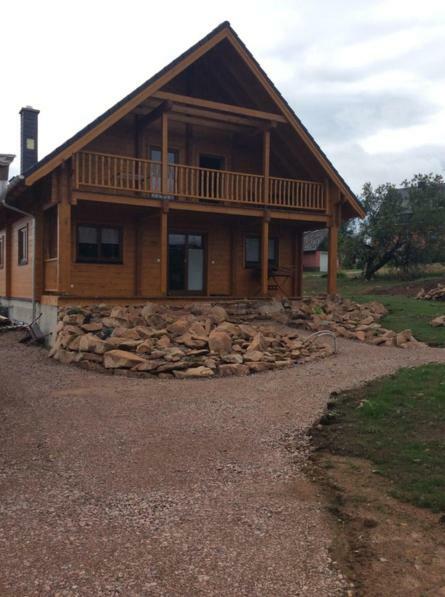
[116,486]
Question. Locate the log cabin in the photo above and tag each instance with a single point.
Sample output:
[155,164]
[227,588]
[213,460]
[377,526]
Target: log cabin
[199,183]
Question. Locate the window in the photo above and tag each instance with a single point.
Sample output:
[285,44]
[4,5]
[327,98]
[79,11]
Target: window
[99,244]
[50,224]
[22,239]
[253,251]
[2,251]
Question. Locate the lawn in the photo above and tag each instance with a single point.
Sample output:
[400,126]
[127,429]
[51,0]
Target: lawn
[398,423]
[398,297]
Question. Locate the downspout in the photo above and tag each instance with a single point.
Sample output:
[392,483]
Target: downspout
[4,188]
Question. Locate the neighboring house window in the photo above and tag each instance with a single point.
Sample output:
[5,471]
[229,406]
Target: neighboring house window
[253,251]
[23,245]
[2,252]
[99,244]
[51,233]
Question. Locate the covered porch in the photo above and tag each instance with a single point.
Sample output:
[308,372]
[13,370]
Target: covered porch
[140,249]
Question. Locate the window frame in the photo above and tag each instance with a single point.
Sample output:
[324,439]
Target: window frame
[100,259]
[256,264]
[23,247]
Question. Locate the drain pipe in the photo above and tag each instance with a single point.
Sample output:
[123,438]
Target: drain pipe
[4,188]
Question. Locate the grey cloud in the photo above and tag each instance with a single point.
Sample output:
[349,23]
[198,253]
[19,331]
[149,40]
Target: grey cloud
[359,167]
[344,117]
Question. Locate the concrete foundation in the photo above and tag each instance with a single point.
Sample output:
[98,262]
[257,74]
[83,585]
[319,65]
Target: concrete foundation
[21,310]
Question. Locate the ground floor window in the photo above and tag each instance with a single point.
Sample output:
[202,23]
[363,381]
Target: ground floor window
[252,251]
[99,244]
[22,240]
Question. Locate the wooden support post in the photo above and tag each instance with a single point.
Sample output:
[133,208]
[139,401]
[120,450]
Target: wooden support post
[64,247]
[266,163]
[38,258]
[164,249]
[265,255]
[298,264]
[164,152]
[332,259]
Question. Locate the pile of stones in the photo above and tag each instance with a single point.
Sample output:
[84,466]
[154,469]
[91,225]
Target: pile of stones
[204,340]
[348,319]
[434,294]
[180,342]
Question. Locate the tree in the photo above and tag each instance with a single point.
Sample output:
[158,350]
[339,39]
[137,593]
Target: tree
[403,227]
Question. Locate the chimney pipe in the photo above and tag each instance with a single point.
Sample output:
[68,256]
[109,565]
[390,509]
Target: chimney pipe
[28,138]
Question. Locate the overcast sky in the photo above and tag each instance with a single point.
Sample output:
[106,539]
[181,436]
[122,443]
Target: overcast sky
[366,77]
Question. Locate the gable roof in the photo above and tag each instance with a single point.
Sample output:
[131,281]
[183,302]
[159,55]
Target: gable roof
[312,239]
[129,102]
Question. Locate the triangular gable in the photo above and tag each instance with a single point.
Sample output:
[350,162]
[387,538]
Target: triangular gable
[164,76]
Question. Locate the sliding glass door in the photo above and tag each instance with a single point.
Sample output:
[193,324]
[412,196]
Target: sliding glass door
[186,263]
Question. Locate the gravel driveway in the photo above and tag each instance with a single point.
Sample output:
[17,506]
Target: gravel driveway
[125,486]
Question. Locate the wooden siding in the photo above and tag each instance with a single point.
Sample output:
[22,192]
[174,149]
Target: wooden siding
[3,267]
[21,275]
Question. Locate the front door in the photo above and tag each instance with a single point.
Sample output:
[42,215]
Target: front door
[185,263]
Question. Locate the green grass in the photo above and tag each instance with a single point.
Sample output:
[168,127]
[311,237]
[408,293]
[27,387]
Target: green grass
[405,312]
[398,423]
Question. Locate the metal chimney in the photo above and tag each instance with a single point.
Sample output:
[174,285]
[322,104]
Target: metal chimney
[28,137]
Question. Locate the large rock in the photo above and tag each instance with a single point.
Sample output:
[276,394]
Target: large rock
[217,314]
[200,371]
[91,343]
[230,369]
[180,326]
[259,342]
[220,342]
[148,310]
[114,359]
[438,321]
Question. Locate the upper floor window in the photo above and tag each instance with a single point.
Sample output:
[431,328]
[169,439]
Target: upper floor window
[99,244]
[22,240]
[252,251]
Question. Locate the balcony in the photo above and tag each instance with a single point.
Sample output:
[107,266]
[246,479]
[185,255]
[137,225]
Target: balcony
[191,183]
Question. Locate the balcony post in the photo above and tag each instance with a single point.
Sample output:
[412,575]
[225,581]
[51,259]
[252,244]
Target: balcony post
[266,163]
[298,264]
[164,248]
[164,153]
[333,225]
[265,255]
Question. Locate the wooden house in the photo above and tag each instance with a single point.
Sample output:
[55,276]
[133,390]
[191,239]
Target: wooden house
[199,183]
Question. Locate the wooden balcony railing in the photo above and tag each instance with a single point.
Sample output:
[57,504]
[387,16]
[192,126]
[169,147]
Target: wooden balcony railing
[120,173]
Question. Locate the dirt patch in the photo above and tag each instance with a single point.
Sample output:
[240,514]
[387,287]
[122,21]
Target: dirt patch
[410,288]
[384,547]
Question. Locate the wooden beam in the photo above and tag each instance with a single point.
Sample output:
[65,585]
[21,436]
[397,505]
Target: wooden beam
[164,152]
[191,206]
[193,120]
[265,256]
[266,163]
[219,106]
[163,248]
[64,247]
[155,114]
[218,116]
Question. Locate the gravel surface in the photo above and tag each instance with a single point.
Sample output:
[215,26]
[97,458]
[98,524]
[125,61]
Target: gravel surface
[117,486]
